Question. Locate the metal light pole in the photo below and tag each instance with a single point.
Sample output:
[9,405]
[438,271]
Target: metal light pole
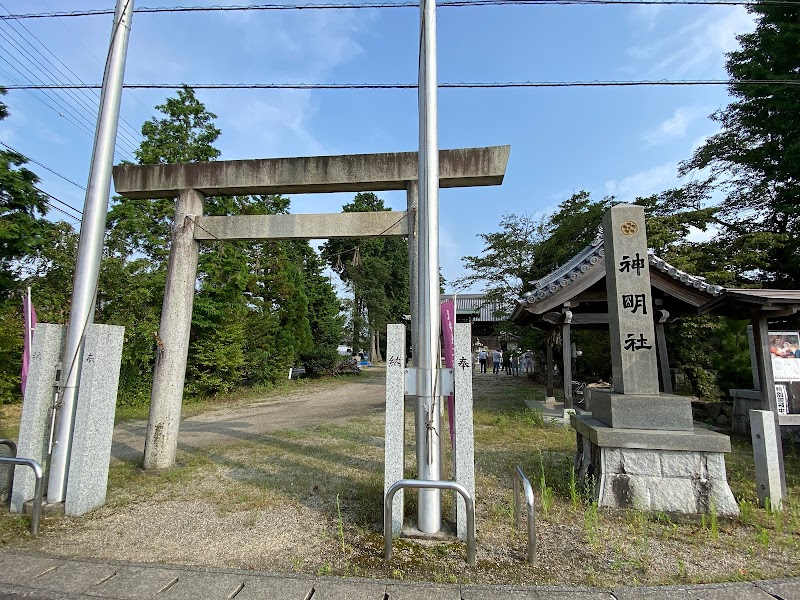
[90,247]
[428,409]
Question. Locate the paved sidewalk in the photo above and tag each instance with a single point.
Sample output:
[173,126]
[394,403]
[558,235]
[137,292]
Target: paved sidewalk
[37,577]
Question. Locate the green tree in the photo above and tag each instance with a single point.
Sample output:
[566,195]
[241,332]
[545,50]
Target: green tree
[505,263]
[376,271]
[133,272]
[22,207]
[186,133]
[754,161]
[23,232]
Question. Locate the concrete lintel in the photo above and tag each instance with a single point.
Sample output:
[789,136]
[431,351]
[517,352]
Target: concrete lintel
[699,440]
[462,167]
[300,226]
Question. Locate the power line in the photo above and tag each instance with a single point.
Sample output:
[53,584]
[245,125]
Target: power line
[51,69]
[61,202]
[52,101]
[45,167]
[400,4]
[49,100]
[413,86]
[93,55]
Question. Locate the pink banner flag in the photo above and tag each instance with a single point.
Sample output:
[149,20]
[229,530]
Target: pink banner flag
[448,336]
[30,323]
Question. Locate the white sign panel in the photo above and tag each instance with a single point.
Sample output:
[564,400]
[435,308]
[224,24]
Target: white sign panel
[782,399]
[784,347]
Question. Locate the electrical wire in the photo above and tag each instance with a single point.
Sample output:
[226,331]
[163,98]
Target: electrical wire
[130,94]
[45,167]
[401,4]
[413,86]
[61,202]
[88,101]
[78,113]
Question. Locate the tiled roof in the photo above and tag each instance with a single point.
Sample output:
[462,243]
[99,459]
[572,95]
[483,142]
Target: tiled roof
[476,304]
[592,256]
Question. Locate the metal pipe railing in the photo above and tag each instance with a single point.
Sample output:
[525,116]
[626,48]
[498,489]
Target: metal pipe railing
[12,446]
[422,484]
[519,477]
[36,511]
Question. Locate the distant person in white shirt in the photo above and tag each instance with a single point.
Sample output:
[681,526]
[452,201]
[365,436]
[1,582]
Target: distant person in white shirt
[482,359]
[497,358]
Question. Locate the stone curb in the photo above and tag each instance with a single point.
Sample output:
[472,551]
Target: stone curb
[43,577]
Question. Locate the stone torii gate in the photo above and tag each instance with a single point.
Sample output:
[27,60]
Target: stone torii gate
[190,183]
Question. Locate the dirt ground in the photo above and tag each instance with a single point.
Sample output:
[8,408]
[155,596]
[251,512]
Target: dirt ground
[304,407]
[294,483]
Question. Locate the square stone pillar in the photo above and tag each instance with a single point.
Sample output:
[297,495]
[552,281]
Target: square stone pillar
[394,438]
[464,451]
[94,420]
[34,427]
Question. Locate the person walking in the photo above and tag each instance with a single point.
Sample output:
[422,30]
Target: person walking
[497,358]
[507,362]
[527,362]
[482,359]
[515,363]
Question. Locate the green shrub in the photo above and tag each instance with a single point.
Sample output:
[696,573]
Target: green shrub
[320,361]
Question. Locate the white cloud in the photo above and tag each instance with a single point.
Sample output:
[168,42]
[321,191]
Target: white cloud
[675,127]
[648,14]
[644,183]
[698,235]
[695,48]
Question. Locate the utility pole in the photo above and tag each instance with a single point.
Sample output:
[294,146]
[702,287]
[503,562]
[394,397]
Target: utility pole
[90,247]
[428,408]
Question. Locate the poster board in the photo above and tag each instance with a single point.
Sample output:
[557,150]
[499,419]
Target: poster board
[784,348]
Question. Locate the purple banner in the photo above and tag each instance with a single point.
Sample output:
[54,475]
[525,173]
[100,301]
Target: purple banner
[448,336]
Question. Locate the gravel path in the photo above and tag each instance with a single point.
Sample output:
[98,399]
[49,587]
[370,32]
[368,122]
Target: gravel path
[301,408]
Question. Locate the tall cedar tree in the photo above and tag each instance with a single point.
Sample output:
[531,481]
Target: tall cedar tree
[376,271]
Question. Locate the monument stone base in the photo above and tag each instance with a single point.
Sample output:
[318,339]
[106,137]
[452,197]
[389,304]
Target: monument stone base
[676,471]
[642,411]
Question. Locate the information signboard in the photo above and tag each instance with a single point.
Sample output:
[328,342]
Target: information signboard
[784,347]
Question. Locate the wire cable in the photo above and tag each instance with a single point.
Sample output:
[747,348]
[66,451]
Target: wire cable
[413,86]
[45,167]
[401,4]
[87,100]
[130,94]
[61,202]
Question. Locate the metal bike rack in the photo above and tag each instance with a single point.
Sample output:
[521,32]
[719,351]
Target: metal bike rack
[519,477]
[12,446]
[36,513]
[424,484]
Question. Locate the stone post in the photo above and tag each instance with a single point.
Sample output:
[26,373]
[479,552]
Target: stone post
[630,306]
[770,481]
[173,343]
[34,427]
[769,401]
[464,451]
[639,448]
[394,439]
[94,420]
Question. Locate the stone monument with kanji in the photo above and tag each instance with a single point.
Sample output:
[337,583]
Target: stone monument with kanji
[640,448]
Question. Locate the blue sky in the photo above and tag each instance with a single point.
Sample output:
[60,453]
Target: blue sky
[621,141]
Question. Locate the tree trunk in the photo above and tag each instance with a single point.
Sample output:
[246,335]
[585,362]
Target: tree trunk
[378,355]
[373,353]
